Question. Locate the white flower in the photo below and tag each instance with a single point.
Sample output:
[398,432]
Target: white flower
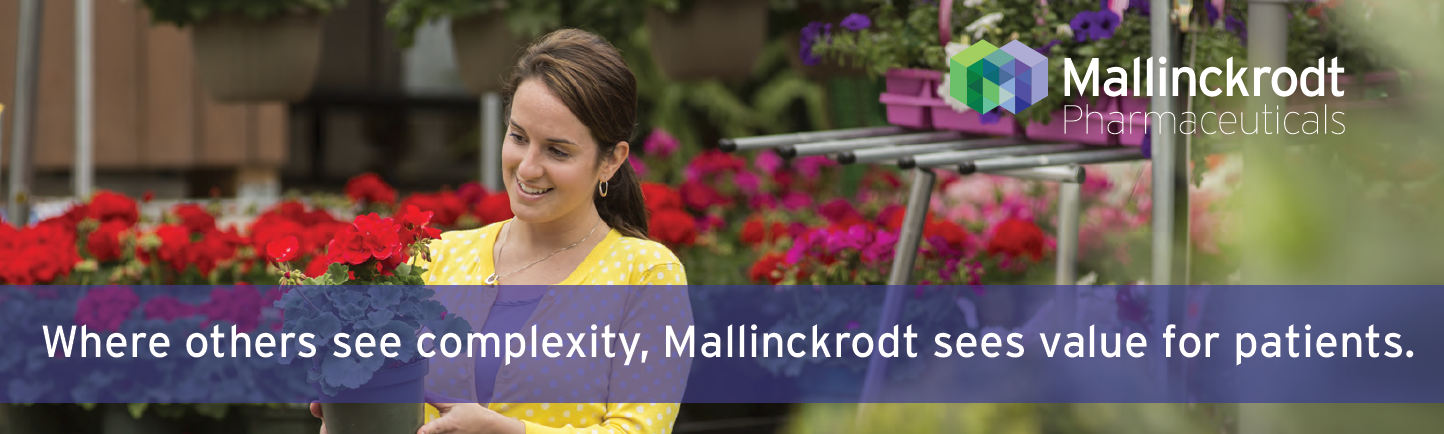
[973,3]
[1090,279]
[958,106]
[1065,30]
[984,24]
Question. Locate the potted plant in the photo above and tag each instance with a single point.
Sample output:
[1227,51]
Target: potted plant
[700,39]
[372,286]
[486,36]
[262,50]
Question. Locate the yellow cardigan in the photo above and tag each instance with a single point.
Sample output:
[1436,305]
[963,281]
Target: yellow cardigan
[465,258]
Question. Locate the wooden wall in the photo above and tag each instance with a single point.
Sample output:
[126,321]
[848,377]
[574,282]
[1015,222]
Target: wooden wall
[150,112]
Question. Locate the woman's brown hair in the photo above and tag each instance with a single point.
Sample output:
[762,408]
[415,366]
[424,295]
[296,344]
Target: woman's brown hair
[588,74]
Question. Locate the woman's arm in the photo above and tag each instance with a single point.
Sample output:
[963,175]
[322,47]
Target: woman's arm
[658,299]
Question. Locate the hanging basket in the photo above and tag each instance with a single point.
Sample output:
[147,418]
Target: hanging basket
[240,59]
[485,49]
[712,39]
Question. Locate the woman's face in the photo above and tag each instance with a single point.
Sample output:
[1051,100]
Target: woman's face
[549,159]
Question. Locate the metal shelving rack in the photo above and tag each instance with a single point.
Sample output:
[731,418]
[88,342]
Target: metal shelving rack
[926,151]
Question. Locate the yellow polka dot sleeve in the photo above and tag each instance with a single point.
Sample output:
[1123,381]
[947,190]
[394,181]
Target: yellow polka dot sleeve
[654,302]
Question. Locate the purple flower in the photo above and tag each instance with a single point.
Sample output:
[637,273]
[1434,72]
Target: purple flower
[1106,22]
[809,36]
[1048,47]
[1238,27]
[1094,25]
[991,117]
[855,22]
[660,143]
[1212,12]
[167,308]
[853,325]
[104,309]
[1142,6]
[1082,25]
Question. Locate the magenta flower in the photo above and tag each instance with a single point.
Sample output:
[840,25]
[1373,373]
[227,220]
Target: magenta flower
[167,308]
[795,200]
[748,182]
[637,165]
[104,309]
[881,248]
[768,162]
[241,305]
[812,166]
[763,202]
[660,143]
[840,211]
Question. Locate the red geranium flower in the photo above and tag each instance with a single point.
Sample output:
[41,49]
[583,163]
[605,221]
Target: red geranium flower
[674,227]
[109,206]
[659,197]
[755,232]
[104,243]
[370,236]
[699,196]
[767,269]
[194,217]
[283,250]
[494,208]
[370,188]
[1017,238]
[446,207]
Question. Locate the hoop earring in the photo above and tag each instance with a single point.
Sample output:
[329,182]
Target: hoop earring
[602,188]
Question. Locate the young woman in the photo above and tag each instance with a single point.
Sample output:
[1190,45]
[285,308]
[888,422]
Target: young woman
[580,220]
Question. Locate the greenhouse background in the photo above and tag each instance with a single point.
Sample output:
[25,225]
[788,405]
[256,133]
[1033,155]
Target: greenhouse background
[170,142]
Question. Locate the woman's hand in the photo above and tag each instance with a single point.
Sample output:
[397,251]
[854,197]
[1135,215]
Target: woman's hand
[468,418]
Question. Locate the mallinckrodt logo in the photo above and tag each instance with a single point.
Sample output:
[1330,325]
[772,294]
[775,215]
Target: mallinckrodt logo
[1013,77]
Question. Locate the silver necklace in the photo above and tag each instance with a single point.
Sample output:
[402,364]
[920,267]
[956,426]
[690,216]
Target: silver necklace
[493,278]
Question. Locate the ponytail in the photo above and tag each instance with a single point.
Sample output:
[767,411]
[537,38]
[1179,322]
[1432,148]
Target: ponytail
[623,208]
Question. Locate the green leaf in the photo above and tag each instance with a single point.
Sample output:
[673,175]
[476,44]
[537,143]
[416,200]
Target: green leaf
[403,270]
[136,409]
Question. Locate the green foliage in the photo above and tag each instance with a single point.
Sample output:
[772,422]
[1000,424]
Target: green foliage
[900,37]
[186,12]
[1009,418]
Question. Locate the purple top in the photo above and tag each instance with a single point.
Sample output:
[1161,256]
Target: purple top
[514,305]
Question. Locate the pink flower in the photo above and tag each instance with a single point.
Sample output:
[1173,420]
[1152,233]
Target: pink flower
[747,182]
[104,309]
[637,166]
[763,202]
[241,305]
[769,163]
[812,166]
[660,143]
[881,248]
[796,200]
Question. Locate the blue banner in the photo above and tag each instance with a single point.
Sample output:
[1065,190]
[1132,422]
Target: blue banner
[722,344]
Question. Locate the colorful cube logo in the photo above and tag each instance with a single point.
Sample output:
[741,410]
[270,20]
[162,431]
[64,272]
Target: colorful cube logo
[984,76]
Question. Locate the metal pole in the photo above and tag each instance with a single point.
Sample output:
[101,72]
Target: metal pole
[1064,174]
[27,69]
[1069,195]
[491,136]
[830,146]
[83,174]
[1267,47]
[904,256]
[872,155]
[1163,140]
[959,157]
[775,140]
[1096,156]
